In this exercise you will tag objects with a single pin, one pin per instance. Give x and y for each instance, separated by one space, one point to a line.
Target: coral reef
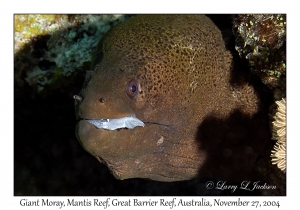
28 26
279 134
261 39
49 48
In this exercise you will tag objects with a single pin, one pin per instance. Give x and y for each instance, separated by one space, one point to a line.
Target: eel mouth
113 124
129 122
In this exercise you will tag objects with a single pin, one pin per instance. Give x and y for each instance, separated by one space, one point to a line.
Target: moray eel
155 82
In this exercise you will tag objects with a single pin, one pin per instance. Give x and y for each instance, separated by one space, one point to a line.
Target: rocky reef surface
51 48
261 40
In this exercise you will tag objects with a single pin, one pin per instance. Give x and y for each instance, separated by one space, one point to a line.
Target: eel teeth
113 124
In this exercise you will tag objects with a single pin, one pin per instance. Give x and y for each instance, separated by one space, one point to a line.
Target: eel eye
133 88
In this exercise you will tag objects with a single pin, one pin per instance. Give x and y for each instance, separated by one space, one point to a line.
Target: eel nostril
102 100
77 98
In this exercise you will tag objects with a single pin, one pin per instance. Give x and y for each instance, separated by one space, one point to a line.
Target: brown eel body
172 72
